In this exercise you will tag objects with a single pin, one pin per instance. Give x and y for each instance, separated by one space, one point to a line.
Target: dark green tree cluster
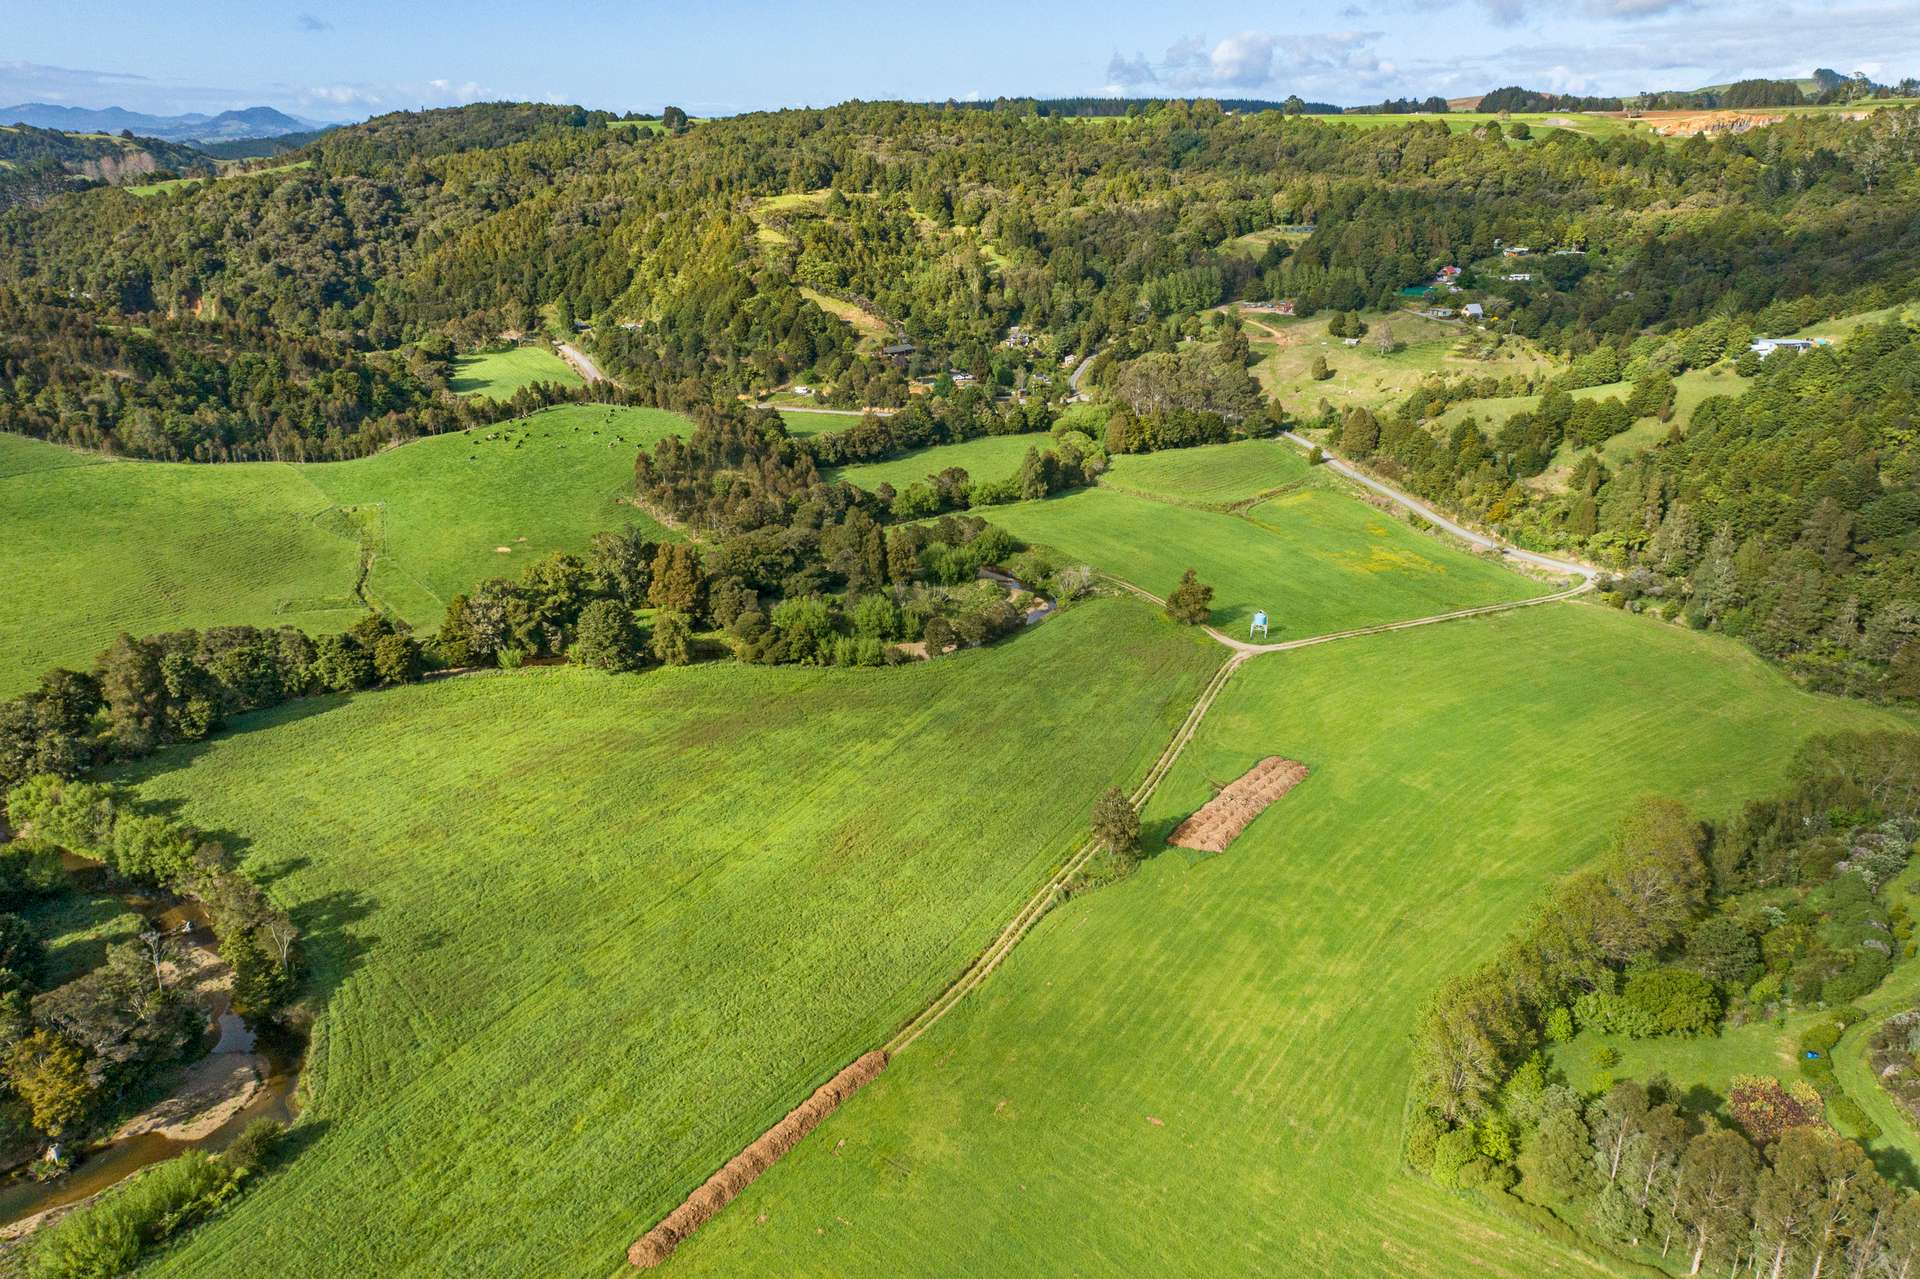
952 226
1682 919
68 1052
216 390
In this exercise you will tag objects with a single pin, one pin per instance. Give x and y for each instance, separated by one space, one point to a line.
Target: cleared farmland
497 375
1203 1069
1219 475
991 457
92 547
1315 559
581 937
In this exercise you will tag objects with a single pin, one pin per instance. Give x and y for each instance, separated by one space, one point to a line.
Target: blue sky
351 58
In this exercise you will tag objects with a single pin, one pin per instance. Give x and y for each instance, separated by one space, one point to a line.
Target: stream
1042 606
102 1164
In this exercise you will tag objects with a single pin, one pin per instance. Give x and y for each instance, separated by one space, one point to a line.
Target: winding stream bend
142 1140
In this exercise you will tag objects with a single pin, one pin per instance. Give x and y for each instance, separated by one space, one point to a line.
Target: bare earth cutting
1221 820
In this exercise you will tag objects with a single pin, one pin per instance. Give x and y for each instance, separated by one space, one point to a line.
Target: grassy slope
1315 559
498 374
1222 474
818 423
1361 377
991 457
585 936
1257 1004
90 547
1539 122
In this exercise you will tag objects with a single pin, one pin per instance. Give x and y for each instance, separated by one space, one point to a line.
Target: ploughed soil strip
739 1172
1220 822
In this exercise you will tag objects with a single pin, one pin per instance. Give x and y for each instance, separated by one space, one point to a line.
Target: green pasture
1537 122
91 547
144 189
498 374
990 457
1218 475
1202 1070
1284 349
578 938
818 423
1315 559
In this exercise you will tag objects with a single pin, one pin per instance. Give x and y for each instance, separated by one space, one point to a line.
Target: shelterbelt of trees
952 225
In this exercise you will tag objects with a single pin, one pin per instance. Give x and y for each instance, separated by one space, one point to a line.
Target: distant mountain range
253 122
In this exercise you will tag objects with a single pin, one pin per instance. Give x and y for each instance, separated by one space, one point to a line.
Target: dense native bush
951 228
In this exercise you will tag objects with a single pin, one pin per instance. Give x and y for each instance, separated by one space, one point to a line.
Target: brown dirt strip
741 1171
1219 822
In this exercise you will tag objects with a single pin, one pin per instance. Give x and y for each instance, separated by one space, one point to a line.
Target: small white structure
1259 626
1519 277
1473 311
1763 347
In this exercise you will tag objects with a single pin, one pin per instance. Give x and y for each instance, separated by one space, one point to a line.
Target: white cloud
1244 61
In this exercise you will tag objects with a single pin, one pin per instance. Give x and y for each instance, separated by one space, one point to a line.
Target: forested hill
950 226
38 164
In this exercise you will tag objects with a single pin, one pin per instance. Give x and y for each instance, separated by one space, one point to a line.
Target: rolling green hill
1315 559
580 937
1204 1068
92 547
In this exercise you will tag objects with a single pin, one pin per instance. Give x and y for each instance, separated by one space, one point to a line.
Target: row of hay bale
739 1172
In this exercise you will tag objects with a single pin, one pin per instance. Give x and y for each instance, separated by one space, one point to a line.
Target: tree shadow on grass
182 754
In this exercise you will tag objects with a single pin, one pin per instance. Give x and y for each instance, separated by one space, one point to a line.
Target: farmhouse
1473 311
1447 273
1763 347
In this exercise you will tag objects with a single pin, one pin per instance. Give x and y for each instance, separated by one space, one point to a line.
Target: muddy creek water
276 1059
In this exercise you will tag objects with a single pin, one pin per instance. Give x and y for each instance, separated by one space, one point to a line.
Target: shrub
1423 1134
1559 1027
1766 1108
1672 1001
672 639
1852 1118
1606 1056
254 1146
606 637
1191 601
396 659
105 1238
1451 1153
876 617
1822 1038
